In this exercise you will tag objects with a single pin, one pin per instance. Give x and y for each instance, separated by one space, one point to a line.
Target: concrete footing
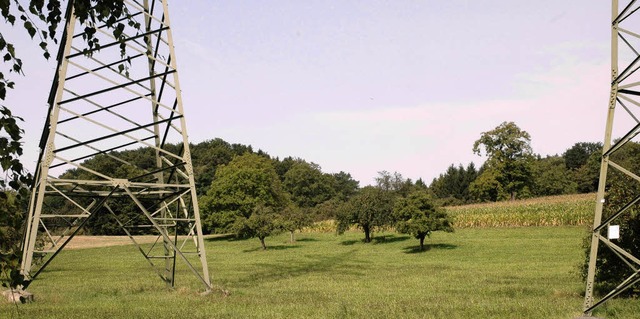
14 296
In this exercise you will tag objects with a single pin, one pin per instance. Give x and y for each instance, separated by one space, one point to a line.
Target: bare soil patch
81 242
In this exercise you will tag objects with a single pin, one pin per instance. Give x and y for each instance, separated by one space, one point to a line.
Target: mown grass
472 273
564 210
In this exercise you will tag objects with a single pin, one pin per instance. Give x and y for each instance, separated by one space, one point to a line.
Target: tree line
513 171
252 194
240 189
255 196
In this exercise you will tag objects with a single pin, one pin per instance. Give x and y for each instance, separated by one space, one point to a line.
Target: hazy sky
365 86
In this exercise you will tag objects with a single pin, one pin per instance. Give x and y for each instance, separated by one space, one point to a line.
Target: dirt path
81 242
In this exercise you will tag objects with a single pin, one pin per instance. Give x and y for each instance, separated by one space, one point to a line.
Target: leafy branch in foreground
10 238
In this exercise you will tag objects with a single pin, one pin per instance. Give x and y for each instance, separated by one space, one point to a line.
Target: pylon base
15 296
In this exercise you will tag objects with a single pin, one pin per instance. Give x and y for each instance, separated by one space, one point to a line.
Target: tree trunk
264 246
422 243
367 234
513 196
293 237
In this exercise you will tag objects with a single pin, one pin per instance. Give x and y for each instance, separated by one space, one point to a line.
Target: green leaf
11 49
118 31
30 29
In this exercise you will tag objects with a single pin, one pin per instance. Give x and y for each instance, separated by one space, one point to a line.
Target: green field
528 272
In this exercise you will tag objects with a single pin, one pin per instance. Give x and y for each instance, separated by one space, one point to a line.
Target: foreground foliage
473 273
10 239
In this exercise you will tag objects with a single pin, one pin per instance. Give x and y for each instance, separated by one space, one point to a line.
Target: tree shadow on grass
271 247
427 247
330 264
385 239
388 239
306 239
220 237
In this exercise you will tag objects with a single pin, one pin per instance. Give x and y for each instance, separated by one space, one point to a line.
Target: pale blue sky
365 86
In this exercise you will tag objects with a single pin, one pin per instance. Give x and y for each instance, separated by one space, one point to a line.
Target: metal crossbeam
102 104
625 98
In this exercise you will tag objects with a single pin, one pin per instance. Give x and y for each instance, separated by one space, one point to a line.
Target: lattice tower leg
103 105
618 177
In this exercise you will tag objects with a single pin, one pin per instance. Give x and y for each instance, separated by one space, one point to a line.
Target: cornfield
331 226
325 226
560 210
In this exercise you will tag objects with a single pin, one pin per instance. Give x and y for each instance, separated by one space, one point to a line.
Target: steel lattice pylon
101 105
624 105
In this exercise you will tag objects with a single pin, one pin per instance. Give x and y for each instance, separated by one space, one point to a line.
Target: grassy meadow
475 272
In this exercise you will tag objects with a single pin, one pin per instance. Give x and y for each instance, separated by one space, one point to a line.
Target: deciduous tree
295 218
395 183
551 177
263 222
509 156
587 176
208 155
486 187
578 154
247 182
417 215
344 185
372 207
307 184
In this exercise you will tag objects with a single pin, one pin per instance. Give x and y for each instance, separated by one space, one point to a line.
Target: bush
10 238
